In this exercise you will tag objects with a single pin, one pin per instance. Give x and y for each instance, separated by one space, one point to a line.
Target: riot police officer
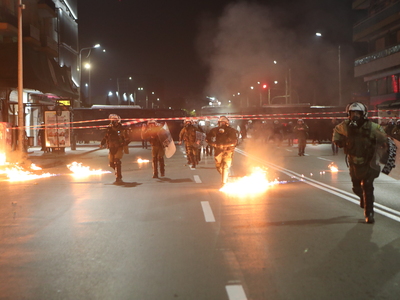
150 133
188 135
360 138
117 140
301 130
224 140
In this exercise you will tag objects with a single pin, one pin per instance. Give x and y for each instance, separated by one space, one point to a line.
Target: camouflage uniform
150 133
117 140
224 140
301 131
361 143
188 135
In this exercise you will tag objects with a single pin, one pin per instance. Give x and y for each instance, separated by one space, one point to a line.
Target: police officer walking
150 132
188 135
224 140
117 140
361 139
301 130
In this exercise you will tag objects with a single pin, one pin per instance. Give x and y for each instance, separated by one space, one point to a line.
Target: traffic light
265 86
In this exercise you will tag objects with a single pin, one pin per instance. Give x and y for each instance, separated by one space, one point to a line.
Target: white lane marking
379 208
208 214
235 292
197 178
324 159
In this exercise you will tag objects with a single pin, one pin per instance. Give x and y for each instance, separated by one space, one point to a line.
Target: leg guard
118 171
162 166
225 174
155 167
368 200
359 192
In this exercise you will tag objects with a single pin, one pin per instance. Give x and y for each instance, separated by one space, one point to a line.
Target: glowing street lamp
80 67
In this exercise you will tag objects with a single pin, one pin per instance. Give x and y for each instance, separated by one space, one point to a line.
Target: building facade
377 37
50 52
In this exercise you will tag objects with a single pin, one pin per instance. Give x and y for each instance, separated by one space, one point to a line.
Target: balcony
46 9
377 62
49 46
381 20
31 35
8 22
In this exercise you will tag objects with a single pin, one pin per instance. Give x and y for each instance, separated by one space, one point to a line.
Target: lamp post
21 112
80 66
318 34
88 66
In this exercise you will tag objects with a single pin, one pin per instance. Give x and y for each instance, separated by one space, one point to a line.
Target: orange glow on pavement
254 184
142 160
333 167
82 171
15 172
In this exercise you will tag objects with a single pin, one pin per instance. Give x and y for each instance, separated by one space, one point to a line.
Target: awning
40 72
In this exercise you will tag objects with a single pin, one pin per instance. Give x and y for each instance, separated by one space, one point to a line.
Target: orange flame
142 160
83 171
18 173
333 167
255 183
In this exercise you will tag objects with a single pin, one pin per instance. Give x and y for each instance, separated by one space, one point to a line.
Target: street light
339 70
80 67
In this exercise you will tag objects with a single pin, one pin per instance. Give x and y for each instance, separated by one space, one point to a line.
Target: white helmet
223 119
357 106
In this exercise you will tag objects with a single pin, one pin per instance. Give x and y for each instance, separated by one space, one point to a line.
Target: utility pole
340 78
21 112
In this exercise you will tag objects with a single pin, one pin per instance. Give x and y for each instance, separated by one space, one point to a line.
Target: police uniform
301 131
188 135
224 140
361 139
117 140
157 150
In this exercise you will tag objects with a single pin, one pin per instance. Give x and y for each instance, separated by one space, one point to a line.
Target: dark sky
211 47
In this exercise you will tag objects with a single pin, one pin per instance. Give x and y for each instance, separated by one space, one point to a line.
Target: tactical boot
155 169
118 174
369 218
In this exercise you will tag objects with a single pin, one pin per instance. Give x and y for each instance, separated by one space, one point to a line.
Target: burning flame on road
83 171
142 160
255 183
333 167
15 172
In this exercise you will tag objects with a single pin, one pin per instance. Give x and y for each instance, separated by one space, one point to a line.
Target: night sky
215 47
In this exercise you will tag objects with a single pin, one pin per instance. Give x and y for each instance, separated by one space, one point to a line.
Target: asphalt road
179 237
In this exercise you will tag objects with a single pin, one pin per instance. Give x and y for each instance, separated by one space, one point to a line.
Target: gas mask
355 121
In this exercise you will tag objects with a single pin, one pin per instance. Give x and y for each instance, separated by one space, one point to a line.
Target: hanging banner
57 129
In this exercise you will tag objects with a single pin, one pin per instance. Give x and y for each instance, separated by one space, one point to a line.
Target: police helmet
114 118
357 106
276 122
223 119
300 121
398 122
151 122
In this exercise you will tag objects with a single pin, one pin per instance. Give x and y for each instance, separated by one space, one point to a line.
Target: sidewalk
52 159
